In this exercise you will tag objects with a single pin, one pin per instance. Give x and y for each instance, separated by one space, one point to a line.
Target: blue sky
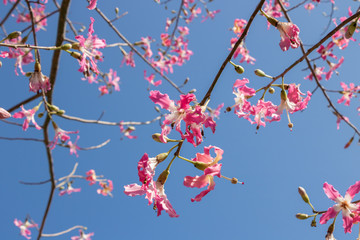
272 161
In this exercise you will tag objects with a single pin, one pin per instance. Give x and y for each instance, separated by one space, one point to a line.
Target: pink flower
62 135
24 227
209 14
113 79
333 67
338 120
151 78
4 114
74 147
272 10
243 51
92 4
327 51
154 191
211 168
289 34
39 81
28 115
263 110
23 55
103 90
194 117
348 93
69 190
239 25
89 47
38 13
318 72
127 131
91 177
342 204
128 59
146 42
83 236
295 96
242 93
309 6
106 188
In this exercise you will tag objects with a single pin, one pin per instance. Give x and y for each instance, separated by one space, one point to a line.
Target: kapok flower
74 147
24 227
242 51
309 6
92 4
263 110
151 78
333 67
347 93
4 114
211 168
272 10
154 191
338 120
106 188
242 93
239 25
319 71
289 34
29 116
83 236
194 117
60 134
342 204
38 14
327 51
127 131
23 56
38 81
89 47
91 177
69 190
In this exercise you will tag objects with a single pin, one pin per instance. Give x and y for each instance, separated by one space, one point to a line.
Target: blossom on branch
92 4
342 204
193 116
29 116
83 236
88 46
24 227
106 188
211 168
347 93
289 34
4 114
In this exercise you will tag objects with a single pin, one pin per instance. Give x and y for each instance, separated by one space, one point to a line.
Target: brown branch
228 58
175 26
23 102
9 13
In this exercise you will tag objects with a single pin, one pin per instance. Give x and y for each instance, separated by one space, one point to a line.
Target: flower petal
331 192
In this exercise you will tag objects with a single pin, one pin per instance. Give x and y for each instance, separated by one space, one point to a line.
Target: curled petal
353 190
331 192
330 213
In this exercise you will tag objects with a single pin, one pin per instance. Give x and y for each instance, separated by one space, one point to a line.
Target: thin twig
22 139
63 232
9 13
175 26
23 102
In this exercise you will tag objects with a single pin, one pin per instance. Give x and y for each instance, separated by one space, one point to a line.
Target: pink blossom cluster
153 190
348 93
266 111
238 29
194 117
24 227
38 14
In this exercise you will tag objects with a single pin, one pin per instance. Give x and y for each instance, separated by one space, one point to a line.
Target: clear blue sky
272 162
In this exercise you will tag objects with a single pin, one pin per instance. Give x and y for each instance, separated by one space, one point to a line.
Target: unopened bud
313 223
163 177
161 157
271 90
201 166
14 35
273 21
4 114
60 112
66 46
331 228
37 67
156 137
192 90
260 73
157 109
303 194
54 108
75 55
75 46
0 64
302 216
28 74
239 69
116 10
351 29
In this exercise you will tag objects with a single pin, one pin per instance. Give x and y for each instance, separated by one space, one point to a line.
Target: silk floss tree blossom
24 227
343 204
193 116
153 190
29 116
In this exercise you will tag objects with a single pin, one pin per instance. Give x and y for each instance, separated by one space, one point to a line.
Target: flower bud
161 157
239 69
75 55
13 35
272 21
313 223
304 195
259 73
75 46
302 216
163 177
0 64
60 112
4 114
351 29
201 166
37 67
331 228
28 74
271 90
116 10
66 46
156 137
192 90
